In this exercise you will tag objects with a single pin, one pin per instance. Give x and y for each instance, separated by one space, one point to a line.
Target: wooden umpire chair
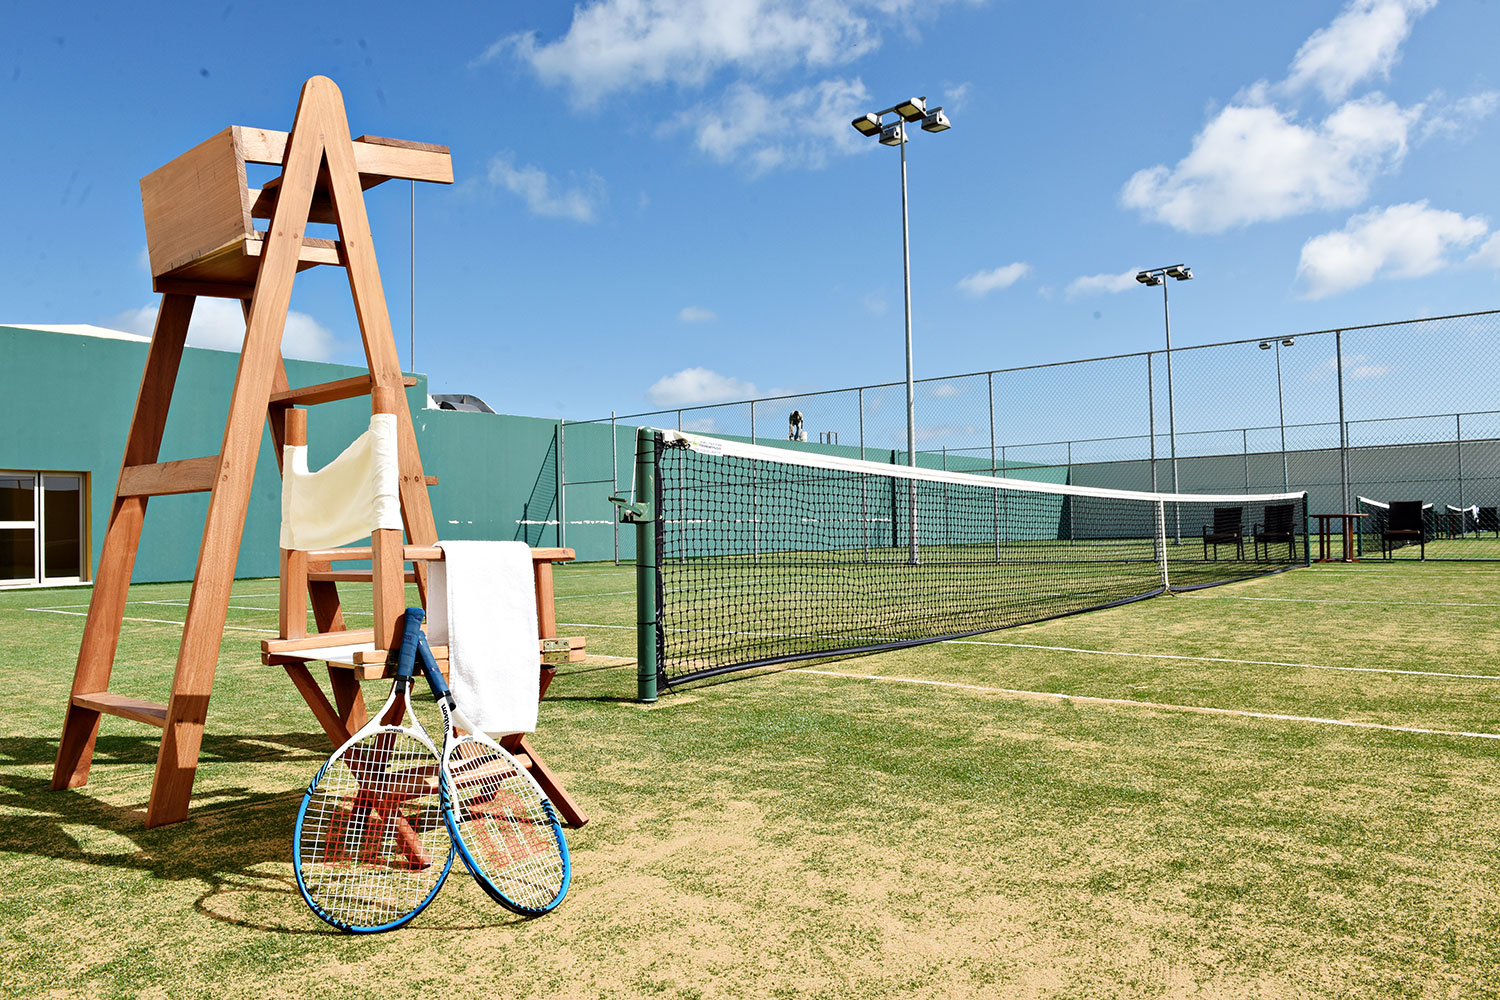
200 227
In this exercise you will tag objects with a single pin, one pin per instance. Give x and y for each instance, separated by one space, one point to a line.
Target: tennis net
767 554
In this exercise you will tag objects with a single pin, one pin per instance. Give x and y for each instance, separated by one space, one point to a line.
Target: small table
1325 536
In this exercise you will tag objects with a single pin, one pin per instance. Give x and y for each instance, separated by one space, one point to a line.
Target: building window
43 528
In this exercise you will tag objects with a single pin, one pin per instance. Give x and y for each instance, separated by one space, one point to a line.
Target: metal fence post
1151 417
1458 429
1338 349
562 485
994 500
614 476
1245 449
752 421
861 398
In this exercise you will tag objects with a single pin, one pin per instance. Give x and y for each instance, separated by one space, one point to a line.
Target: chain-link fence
1387 412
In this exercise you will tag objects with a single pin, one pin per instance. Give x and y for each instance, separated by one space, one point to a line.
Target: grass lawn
1278 788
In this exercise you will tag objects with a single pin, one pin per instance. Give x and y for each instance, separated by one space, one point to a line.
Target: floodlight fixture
912 109
893 135
1264 345
936 121
867 124
1288 342
1180 272
1144 277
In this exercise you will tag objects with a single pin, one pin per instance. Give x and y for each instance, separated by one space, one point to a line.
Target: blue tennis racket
371 847
503 825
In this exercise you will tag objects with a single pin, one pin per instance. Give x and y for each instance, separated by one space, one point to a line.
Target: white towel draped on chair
347 498
481 601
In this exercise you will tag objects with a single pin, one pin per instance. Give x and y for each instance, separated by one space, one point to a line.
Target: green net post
642 513
1306 531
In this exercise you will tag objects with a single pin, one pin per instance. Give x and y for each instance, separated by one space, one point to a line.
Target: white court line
153 621
1145 656
232 597
1133 703
1339 600
237 607
1223 659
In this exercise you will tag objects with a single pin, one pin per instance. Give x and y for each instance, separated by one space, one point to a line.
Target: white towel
481 604
347 498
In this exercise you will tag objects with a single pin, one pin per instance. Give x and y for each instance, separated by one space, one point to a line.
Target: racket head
503 825
371 846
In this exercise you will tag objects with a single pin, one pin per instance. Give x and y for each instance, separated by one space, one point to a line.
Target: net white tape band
816 460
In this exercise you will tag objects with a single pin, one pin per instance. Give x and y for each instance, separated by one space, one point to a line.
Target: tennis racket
370 848
504 826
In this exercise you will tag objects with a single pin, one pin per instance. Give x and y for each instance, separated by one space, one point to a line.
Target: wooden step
150 712
160 479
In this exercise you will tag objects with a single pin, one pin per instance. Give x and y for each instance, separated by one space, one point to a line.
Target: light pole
873 124
1159 276
1280 405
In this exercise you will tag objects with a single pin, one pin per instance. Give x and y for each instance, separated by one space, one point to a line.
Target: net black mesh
763 561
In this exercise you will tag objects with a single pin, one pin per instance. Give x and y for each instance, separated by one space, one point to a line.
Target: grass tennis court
1282 787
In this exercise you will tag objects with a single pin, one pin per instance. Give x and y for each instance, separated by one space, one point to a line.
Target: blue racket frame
404 659
444 696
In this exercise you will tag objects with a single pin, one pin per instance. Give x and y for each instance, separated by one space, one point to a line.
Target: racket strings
373 844
505 825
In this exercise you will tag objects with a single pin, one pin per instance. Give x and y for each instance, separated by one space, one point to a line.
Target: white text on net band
817 460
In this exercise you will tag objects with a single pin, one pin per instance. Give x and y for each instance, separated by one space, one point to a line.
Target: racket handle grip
430 668
411 638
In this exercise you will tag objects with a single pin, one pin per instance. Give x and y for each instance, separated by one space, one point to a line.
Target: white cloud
1098 284
981 283
1253 163
543 194
748 127
696 314
947 390
1357 367
1401 241
1488 255
695 386
1364 40
1460 119
621 45
219 325
956 97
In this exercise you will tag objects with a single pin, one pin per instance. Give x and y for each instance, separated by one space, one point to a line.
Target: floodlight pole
873 124
1158 276
911 392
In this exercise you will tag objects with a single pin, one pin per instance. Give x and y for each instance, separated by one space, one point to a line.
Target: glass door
61 528
17 529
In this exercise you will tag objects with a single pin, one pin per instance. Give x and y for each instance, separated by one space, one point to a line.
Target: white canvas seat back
349 497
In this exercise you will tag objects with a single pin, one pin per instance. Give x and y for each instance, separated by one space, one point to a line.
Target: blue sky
661 202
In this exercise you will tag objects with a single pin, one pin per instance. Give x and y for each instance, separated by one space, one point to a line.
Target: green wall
68 408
